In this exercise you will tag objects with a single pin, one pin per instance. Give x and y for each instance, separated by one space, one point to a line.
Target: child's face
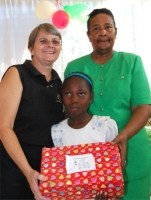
77 97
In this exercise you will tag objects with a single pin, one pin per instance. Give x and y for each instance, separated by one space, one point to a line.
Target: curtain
18 18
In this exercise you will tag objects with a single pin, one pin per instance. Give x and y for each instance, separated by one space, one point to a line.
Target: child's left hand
103 196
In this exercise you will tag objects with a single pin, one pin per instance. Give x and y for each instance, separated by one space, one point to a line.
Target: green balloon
76 11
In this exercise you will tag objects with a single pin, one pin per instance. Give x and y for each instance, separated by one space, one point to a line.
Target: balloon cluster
60 17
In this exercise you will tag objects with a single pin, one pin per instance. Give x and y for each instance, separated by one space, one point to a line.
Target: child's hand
103 196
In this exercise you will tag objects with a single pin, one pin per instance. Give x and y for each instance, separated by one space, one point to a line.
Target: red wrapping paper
60 185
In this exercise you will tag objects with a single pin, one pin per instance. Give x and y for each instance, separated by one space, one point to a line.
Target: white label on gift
80 163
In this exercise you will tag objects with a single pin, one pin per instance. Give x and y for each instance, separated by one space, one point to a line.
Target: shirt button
101 79
102 109
101 93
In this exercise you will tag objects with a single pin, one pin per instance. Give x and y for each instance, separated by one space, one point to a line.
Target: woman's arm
140 115
10 96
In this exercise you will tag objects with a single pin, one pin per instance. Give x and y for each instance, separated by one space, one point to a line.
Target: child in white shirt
80 127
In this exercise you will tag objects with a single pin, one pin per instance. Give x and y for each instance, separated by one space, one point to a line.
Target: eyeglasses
54 42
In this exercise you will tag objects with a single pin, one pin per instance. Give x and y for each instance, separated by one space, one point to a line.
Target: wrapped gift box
81 171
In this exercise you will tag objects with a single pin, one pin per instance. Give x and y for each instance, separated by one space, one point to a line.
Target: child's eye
81 94
67 93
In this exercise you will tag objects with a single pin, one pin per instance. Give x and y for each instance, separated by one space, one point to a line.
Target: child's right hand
103 196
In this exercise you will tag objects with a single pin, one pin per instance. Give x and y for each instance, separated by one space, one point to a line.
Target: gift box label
81 171
80 163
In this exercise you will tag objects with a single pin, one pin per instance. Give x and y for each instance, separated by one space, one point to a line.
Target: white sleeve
56 133
111 129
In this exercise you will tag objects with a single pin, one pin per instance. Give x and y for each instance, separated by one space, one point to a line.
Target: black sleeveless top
40 106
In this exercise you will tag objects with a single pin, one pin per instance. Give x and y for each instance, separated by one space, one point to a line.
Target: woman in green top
121 90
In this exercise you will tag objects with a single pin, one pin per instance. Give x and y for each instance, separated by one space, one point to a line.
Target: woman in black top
30 102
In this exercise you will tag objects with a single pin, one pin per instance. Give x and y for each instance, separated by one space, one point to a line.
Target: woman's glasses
54 42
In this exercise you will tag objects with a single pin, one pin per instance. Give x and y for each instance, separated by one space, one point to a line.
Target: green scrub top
117 85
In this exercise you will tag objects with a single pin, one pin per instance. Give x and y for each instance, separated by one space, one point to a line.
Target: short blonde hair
46 27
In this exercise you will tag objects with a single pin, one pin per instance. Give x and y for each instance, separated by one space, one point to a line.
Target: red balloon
60 19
